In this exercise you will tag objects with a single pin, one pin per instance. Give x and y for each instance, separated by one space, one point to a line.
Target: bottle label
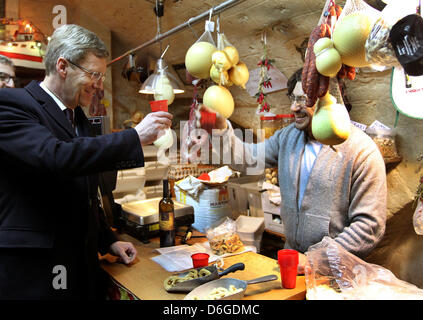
167 225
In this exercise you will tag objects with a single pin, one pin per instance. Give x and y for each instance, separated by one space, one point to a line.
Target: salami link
338 10
342 74
323 86
350 72
310 76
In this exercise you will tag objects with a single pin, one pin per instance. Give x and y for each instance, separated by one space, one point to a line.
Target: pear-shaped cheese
233 54
328 60
350 37
164 90
331 123
219 77
239 74
221 60
165 141
220 100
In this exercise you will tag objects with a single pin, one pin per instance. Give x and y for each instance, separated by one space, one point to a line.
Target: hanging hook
211 13
164 52
218 23
190 27
264 37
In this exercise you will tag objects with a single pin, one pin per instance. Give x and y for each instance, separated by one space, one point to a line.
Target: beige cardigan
345 197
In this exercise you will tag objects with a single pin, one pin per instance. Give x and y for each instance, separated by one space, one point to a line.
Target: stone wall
401 250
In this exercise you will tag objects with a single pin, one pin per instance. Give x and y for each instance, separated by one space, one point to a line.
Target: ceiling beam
213 11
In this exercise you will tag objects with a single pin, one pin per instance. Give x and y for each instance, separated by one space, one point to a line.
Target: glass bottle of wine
166 218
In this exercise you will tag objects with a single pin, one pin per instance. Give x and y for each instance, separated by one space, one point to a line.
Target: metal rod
213 11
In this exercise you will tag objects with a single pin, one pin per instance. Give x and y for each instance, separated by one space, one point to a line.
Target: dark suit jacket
48 196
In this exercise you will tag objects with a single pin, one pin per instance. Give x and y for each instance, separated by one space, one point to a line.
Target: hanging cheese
328 60
349 38
198 59
164 90
239 74
331 123
219 99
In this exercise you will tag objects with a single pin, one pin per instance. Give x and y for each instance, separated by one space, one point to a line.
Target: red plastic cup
207 120
159 105
200 260
288 264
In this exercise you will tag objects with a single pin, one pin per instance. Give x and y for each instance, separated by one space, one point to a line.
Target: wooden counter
144 277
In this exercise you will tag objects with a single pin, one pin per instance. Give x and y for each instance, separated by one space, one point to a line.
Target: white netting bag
352 6
207 35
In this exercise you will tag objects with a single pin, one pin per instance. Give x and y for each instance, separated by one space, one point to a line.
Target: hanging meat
193 133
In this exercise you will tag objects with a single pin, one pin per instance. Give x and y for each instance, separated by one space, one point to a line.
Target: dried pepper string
419 194
265 80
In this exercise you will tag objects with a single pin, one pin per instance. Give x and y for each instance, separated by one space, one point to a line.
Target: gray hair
73 43
7 61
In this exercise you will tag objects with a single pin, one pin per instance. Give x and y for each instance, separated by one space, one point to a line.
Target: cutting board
144 278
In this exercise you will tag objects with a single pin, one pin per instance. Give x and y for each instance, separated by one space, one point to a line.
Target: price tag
209 26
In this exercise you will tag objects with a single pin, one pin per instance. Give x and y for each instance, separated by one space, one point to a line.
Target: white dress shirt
59 103
311 150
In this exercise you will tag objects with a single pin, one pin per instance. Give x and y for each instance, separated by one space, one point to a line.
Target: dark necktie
69 115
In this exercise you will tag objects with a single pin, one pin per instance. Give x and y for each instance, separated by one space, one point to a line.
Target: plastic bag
385 141
406 38
222 41
223 237
333 273
418 218
223 60
407 93
379 50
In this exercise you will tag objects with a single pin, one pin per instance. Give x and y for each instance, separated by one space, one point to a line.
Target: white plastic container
268 206
250 230
238 200
129 181
273 222
155 171
252 190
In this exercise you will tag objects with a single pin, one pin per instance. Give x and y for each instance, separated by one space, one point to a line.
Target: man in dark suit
51 223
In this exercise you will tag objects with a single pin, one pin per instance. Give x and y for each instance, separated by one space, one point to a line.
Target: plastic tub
269 125
284 120
249 228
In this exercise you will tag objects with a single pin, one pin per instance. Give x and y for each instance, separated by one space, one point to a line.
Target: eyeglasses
298 99
96 76
6 77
